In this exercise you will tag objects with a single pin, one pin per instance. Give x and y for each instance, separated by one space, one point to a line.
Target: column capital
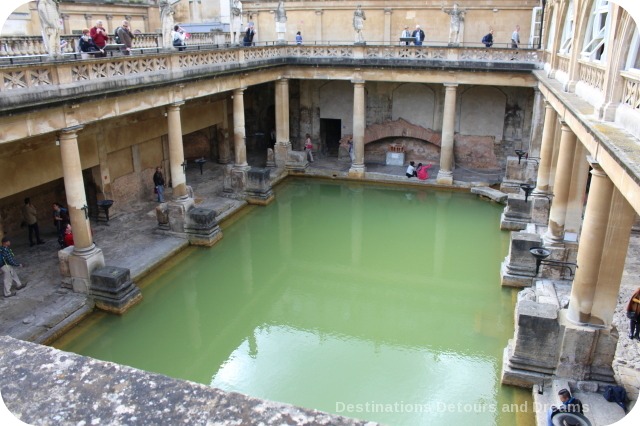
595 165
547 104
450 86
239 91
283 80
88 16
70 132
175 106
388 11
108 17
145 17
565 126
358 82
65 16
127 17
319 11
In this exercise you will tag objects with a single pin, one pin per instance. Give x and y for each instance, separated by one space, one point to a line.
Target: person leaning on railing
99 36
87 45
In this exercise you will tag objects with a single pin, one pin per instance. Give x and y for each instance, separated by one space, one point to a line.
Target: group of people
93 41
417 37
421 172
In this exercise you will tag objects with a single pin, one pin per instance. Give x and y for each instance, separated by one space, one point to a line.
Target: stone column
283 143
85 257
145 23
445 174
239 135
616 243
387 25
536 123
546 149
318 24
88 20
577 191
224 151
558 213
110 28
590 249
359 110
176 152
65 23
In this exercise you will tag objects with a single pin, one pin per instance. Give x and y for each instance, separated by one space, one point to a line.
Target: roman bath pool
380 303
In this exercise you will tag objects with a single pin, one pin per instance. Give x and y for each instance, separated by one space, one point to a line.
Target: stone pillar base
113 290
296 161
444 177
201 227
357 171
176 211
81 264
271 159
517 213
63 265
259 189
519 267
541 205
235 181
281 153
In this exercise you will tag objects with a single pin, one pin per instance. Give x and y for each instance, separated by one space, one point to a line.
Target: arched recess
482 112
415 103
336 102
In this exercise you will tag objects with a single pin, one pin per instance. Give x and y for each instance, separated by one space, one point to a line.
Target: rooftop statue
358 23
51 24
281 13
457 16
236 21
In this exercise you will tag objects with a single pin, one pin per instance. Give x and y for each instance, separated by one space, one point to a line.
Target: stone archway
414 103
420 144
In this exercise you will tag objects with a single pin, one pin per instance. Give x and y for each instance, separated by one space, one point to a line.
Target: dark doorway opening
330 134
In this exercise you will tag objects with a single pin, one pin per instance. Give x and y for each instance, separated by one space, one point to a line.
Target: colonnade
606 225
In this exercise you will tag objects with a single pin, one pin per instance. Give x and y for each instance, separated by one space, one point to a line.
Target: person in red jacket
68 236
100 37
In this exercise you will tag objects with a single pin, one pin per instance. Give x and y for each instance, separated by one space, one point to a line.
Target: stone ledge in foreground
45 386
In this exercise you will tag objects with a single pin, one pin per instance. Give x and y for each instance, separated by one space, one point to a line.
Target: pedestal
81 265
516 214
444 177
296 162
519 267
282 153
357 171
113 290
259 189
201 227
235 181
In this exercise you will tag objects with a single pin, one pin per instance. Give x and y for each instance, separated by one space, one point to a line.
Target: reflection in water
331 296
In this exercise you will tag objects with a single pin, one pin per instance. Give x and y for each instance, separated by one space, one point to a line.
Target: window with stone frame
595 46
633 59
552 31
567 30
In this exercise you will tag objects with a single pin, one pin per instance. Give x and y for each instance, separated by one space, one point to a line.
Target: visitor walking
30 217
308 146
515 37
126 37
100 37
418 35
411 170
569 405
158 182
487 40
298 38
633 313
8 262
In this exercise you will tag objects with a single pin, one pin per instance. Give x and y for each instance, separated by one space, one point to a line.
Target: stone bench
492 194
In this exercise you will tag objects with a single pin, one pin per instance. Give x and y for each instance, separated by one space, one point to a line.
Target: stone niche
475 152
414 150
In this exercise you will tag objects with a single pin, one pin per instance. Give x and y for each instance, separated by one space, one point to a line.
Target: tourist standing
418 35
158 182
30 217
308 146
248 35
100 37
633 313
87 45
178 37
126 37
298 38
515 37
405 34
60 221
569 405
487 40
8 262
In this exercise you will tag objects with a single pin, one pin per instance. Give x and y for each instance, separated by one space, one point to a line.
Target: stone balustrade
591 74
631 90
563 63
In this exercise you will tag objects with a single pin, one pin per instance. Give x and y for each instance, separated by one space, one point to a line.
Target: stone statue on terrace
166 19
358 24
236 22
281 21
51 24
457 17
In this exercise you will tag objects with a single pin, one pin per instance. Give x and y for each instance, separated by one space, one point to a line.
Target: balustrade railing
631 89
69 70
563 63
591 74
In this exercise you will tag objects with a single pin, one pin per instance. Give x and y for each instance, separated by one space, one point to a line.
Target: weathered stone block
63 265
575 350
202 227
297 161
113 290
540 209
536 337
525 171
394 159
259 189
519 266
490 193
517 213
81 266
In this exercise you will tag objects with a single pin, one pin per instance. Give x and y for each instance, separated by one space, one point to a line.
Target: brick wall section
400 129
476 152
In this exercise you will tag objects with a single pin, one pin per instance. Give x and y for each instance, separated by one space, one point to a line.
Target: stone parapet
517 213
42 385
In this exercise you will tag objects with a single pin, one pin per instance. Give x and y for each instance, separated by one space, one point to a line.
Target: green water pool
368 301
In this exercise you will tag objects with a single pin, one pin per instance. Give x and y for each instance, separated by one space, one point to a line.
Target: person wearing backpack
100 38
487 40
177 37
126 37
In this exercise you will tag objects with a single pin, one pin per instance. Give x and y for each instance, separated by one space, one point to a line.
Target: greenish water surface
367 301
